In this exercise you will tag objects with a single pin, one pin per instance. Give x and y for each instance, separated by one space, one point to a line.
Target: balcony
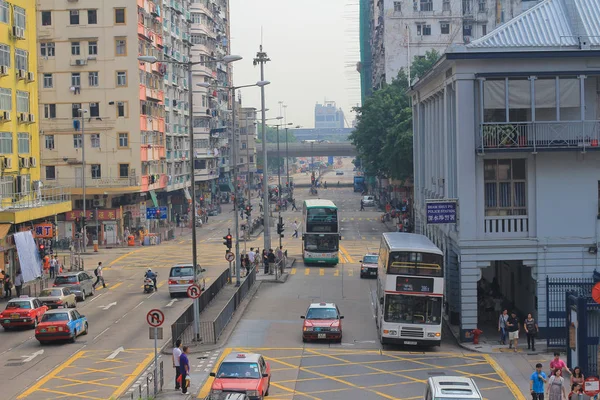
516 226
539 136
17 208
152 152
103 184
67 125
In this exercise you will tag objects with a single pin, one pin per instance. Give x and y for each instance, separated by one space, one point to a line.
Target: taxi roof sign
241 355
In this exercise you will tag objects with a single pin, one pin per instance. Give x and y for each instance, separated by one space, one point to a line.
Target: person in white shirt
251 255
295 228
176 365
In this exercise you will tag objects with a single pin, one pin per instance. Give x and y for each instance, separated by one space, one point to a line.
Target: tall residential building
246 122
24 203
405 29
88 61
327 115
212 107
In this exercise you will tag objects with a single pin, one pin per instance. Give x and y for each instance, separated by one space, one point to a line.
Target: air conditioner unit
21 73
18 32
33 161
3 70
31 118
7 162
6 115
23 117
24 162
30 76
81 61
98 203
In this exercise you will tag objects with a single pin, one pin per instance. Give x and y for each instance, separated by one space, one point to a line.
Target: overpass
309 149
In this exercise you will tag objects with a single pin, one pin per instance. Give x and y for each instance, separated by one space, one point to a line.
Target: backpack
96 271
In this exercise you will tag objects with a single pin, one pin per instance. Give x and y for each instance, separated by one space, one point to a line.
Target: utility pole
236 199
82 113
261 59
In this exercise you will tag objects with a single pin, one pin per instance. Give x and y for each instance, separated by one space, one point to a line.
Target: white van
181 277
451 388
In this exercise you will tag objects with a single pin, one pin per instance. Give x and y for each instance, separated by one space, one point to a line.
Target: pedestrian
265 258
247 264
260 207
557 363
7 287
556 389
502 326
576 392
184 366
531 328
294 205
577 376
19 282
251 256
176 354
99 277
513 327
362 205
178 221
295 228
280 255
271 260
536 383
59 266
53 267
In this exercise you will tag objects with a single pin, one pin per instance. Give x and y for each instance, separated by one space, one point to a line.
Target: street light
82 112
189 64
232 89
287 160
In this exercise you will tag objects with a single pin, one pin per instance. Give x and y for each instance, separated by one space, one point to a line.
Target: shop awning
4 228
154 198
186 192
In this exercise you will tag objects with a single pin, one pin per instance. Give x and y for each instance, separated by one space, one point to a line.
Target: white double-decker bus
410 290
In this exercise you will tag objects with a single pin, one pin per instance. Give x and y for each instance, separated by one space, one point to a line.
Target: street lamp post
189 65
82 112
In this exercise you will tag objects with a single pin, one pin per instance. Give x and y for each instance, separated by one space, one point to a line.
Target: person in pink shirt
557 363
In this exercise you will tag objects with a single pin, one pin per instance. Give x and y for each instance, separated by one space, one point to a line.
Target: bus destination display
414 285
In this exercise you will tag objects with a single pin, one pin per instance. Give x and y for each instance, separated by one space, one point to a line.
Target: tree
383 134
271 134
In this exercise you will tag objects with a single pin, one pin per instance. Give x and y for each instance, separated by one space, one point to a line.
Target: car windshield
178 272
26 305
238 370
322 313
50 292
55 317
61 280
370 259
413 309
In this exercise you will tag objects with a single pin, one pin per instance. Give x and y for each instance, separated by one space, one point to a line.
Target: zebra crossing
328 271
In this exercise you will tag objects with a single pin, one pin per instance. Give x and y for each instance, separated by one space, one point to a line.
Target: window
426 5
121 78
96 171
423 29
5 99
119 15
23 142
22 101
48 81
121 47
494 100
121 109
94 109
445 28
51 172
19 17
505 187
21 59
47 49
95 140
75 49
93 48
77 140
397 6
49 110
412 309
123 170
123 140
483 30
6 143
467 30
74 17
446 5
92 17
75 107
5 55
4 13
49 142
46 18
482 7
93 78
76 79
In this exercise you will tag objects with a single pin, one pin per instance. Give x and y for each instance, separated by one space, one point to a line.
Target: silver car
368 201
57 297
80 283
181 277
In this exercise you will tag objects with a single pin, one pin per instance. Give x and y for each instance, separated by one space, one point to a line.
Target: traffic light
228 241
280 227
201 201
248 211
42 250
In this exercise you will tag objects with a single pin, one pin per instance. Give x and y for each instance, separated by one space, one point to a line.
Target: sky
313 46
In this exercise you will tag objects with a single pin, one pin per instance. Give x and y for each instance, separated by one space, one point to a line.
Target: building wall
327 115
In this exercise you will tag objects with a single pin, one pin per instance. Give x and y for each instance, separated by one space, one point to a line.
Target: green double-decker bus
321 232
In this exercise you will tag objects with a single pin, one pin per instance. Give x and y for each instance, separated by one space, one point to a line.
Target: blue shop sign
441 212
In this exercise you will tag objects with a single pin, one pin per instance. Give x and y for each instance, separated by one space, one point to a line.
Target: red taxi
242 373
23 311
322 321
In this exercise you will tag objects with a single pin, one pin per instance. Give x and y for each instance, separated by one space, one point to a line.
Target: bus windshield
324 243
415 263
413 309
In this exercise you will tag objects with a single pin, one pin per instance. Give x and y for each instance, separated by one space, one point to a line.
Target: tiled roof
549 24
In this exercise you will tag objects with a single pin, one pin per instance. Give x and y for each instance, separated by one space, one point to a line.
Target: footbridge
312 149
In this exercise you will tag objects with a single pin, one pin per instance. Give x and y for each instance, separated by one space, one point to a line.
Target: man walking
19 282
251 257
99 277
362 205
502 326
295 228
294 205
184 366
513 330
53 267
271 260
536 383
176 354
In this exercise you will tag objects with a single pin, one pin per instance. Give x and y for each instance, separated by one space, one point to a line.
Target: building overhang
44 210
105 190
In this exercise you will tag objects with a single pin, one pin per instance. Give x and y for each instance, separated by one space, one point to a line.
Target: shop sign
133 209
103 215
43 231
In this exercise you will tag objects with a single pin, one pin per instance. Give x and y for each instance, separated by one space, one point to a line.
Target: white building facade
510 126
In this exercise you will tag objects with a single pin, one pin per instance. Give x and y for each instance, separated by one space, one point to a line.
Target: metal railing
95 183
34 198
507 225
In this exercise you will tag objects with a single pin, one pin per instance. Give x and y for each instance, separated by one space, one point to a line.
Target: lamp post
226 59
82 112
287 159
234 165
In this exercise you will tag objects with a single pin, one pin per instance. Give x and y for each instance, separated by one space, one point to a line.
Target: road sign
194 291
596 293
230 256
152 211
591 386
155 317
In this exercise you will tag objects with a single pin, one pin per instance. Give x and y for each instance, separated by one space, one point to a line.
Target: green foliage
383 134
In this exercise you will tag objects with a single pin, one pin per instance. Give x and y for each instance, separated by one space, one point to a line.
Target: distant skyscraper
327 115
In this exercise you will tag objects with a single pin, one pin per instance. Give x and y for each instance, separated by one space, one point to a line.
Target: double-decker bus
321 232
410 290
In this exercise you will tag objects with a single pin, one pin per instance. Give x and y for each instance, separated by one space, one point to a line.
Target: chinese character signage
441 212
103 215
43 231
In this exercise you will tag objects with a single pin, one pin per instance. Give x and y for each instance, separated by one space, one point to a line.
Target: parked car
80 283
181 277
247 373
369 201
58 297
61 325
22 311
322 321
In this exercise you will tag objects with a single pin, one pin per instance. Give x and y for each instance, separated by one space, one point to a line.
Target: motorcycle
149 285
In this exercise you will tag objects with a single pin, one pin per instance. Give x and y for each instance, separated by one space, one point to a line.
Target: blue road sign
151 212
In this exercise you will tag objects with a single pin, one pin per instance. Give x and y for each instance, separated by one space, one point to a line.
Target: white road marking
115 353
32 355
170 304
108 306
100 334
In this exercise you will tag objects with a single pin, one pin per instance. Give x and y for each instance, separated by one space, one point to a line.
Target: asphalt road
359 367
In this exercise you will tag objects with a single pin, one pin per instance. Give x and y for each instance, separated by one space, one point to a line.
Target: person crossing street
295 228
99 277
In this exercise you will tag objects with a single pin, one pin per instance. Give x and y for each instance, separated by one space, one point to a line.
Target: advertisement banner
29 258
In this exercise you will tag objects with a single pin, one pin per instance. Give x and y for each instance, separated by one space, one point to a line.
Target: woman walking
577 376
556 388
531 328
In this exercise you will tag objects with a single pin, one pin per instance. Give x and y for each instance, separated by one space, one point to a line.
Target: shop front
101 225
